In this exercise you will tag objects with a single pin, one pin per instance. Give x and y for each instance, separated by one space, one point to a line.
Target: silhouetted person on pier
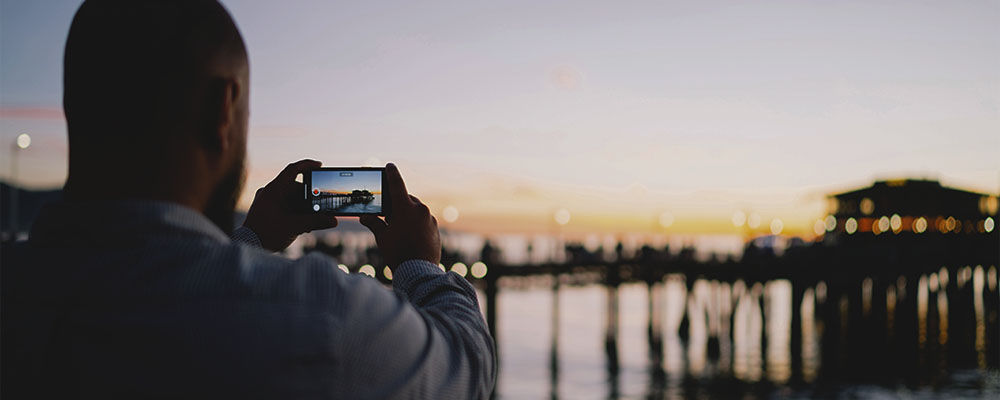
131 287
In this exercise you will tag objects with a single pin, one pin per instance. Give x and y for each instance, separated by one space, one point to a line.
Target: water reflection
977 284
810 336
697 334
680 338
922 314
778 310
747 334
554 350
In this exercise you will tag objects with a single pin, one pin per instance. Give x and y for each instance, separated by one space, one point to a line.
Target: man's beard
222 205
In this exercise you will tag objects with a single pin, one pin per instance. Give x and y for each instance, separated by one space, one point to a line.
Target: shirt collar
110 220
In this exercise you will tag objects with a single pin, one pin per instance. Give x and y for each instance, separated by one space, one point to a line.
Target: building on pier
909 206
362 196
912 222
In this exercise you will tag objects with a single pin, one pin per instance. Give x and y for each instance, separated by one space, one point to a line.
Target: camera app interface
348 192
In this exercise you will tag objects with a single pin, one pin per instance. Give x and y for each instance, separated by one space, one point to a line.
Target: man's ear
224 98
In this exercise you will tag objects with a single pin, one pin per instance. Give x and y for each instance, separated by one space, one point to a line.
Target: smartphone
347 191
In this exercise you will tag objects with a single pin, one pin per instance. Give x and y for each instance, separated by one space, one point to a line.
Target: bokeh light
988 204
867 206
883 224
739 218
450 214
819 227
460 268
950 224
831 223
23 141
942 225
666 219
777 226
562 216
478 270
367 269
851 226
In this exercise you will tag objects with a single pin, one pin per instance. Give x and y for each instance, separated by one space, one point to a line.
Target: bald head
139 68
155 94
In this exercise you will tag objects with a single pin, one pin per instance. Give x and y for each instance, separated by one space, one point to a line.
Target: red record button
315 192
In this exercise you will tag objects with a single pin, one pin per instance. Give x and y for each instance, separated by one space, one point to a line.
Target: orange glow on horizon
345 192
623 224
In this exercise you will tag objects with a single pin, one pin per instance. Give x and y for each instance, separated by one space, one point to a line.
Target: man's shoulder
189 268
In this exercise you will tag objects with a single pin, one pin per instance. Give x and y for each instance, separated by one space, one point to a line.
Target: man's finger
374 224
288 174
397 189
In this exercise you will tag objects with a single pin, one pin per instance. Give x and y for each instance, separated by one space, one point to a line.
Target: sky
335 181
621 115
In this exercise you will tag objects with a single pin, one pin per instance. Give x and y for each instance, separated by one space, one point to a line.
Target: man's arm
245 236
426 339
446 339
448 302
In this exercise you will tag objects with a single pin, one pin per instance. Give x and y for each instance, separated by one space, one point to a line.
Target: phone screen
347 191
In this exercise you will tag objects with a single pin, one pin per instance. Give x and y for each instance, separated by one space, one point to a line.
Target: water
749 355
374 206
333 203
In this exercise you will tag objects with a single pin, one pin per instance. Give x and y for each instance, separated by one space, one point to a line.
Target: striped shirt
151 300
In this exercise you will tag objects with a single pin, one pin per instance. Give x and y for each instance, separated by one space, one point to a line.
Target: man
131 287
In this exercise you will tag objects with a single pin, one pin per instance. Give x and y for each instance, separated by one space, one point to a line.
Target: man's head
156 101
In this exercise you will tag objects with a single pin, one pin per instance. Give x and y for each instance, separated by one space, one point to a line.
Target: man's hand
273 216
410 231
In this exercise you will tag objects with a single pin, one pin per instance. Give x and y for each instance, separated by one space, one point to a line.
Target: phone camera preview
345 191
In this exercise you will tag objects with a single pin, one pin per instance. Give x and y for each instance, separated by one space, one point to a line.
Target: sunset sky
337 182
625 114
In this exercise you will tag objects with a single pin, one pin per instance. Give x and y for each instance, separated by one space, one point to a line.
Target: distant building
911 207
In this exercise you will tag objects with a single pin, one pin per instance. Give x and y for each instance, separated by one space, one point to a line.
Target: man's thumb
374 224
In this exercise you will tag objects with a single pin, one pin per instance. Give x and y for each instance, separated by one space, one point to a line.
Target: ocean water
536 325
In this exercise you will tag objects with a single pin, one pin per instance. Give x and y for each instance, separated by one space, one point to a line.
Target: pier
331 201
905 308
906 320
893 292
